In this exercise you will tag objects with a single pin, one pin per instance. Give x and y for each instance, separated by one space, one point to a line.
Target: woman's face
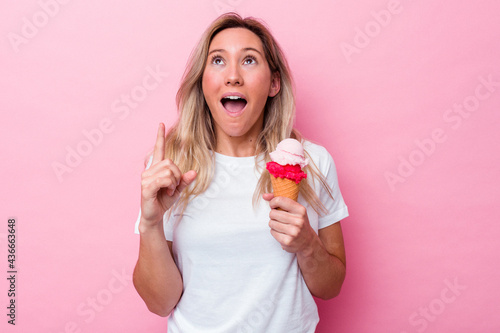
236 83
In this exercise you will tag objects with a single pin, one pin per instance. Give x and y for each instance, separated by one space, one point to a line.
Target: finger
164 178
279 216
166 165
163 171
170 167
172 182
283 239
283 203
159 150
296 209
278 226
186 179
288 220
288 205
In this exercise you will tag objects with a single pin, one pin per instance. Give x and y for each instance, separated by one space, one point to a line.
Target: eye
217 60
249 60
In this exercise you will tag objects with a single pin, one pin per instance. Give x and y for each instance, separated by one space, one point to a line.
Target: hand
290 225
161 184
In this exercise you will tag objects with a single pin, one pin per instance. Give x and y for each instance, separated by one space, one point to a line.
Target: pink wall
404 94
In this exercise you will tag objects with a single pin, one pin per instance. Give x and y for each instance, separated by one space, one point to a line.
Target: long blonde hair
191 140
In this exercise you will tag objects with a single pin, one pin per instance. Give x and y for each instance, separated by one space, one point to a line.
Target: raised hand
161 184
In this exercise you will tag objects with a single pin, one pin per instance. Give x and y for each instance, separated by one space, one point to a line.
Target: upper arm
333 241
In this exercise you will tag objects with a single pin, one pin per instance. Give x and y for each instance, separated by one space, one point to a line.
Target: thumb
268 196
186 179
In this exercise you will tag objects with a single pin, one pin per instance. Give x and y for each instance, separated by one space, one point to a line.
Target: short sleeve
336 207
169 221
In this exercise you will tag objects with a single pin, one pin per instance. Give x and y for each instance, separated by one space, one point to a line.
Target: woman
218 251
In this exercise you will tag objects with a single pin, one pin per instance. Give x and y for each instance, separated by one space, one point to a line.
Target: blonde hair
190 141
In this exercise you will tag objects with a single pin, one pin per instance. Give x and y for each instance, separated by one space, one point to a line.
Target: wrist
146 227
310 246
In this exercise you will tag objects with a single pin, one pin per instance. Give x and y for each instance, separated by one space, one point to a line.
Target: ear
275 84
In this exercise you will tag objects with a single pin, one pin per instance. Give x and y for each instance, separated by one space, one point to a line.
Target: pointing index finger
159 150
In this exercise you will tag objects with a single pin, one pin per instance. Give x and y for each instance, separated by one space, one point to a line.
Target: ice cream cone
283 187
285 168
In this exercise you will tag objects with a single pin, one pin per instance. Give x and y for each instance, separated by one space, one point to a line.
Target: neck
236 146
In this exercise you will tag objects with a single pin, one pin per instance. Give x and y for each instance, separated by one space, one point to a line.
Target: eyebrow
244 49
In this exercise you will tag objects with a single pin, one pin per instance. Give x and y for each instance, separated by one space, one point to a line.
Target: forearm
156 276
323 272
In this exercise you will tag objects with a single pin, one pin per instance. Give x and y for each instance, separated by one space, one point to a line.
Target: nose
233 76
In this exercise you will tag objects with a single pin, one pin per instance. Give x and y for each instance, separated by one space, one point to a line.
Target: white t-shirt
236 276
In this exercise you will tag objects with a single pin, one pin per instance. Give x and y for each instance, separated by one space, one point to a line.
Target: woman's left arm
323 264
321 257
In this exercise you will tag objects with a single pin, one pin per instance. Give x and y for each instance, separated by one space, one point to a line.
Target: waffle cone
283 187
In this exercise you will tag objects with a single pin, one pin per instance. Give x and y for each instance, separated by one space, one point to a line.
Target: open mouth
234 104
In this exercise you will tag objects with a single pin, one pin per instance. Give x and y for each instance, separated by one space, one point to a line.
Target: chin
234 131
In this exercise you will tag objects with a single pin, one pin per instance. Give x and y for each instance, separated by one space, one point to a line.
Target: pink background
379 83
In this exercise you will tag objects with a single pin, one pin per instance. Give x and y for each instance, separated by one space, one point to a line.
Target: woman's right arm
156 276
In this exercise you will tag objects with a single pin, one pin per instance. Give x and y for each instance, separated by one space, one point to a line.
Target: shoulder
319 155
314 148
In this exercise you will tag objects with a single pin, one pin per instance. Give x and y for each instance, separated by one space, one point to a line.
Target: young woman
218 252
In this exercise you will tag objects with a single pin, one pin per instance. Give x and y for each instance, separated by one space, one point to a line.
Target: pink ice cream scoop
287 161
289 151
